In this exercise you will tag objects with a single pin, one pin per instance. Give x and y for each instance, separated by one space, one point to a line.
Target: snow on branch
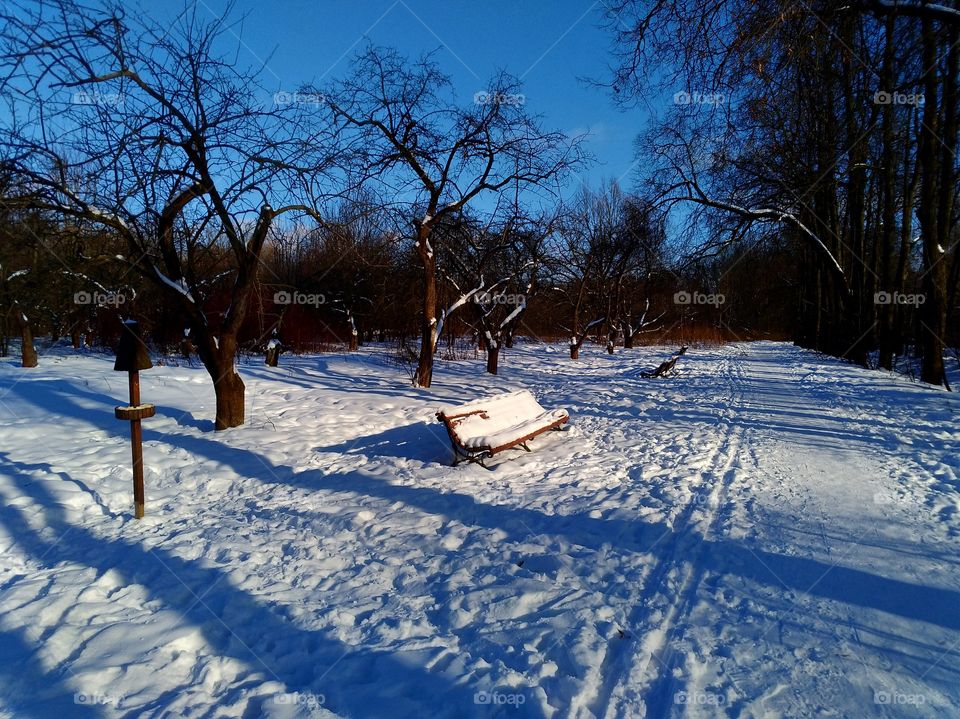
180 287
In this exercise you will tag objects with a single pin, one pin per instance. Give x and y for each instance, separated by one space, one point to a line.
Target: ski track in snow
768 533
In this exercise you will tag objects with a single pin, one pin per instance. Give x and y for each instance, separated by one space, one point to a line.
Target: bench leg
472 459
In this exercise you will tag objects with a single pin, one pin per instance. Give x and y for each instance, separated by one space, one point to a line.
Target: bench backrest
486 416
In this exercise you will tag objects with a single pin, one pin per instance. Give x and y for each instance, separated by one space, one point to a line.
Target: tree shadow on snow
355 680
345 673
418 441
29 690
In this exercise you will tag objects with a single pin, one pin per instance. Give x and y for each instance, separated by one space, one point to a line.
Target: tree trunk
493 357
76 338
933 311
354 344
28 353
888 196
428 324
574 351
231 393
218 356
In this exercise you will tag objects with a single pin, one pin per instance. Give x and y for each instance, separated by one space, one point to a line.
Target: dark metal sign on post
132 356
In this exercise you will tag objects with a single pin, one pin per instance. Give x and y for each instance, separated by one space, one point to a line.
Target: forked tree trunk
493 358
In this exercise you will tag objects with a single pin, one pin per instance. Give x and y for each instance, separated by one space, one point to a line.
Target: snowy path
770 533
801 501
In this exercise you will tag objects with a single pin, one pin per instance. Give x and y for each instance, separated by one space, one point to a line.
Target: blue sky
549 45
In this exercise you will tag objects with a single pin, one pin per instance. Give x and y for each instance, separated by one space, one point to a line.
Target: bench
665 367
482 428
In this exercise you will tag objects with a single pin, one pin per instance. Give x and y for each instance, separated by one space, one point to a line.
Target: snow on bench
481 428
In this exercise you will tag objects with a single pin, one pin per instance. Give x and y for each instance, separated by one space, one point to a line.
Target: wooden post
136 442
132 356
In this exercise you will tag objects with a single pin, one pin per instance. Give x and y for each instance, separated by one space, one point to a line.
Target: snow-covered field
769 533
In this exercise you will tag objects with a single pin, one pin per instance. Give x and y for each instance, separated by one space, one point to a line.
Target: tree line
831 124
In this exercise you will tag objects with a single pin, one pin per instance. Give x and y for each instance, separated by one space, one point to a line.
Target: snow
769 532
521 306
106 216
180 286
501 420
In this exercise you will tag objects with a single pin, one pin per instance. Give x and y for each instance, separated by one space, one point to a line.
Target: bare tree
153 133
400 126
591 262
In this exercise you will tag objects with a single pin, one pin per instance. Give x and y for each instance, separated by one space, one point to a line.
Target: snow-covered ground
768 533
